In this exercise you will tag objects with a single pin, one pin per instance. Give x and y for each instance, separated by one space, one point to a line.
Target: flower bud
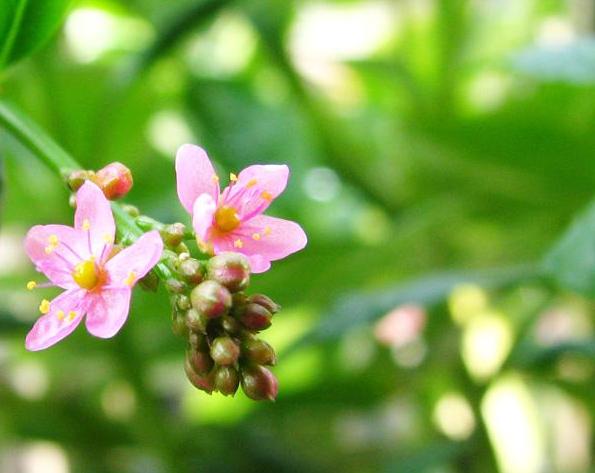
211 299
172 235
174 285
202 382
178 324
224 351
226 380
183 302
200 362
147 223
259 383
255 317
198 341
258 352
77 178
150 282
191 270
131 210
232 270
181 248
196 321
230 325
266 302
115 180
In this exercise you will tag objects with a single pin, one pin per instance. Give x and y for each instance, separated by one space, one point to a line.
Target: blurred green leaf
26 24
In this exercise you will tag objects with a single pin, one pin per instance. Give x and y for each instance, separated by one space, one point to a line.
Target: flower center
85 274
226 218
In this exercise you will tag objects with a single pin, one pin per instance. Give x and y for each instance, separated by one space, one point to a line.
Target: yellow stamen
86 224
108 238
53 240
31 285
44 307
72 315
251 183
215 178
85 274
238 243
226 218
129 281
256 236
267 230
266 196
48 249
233 177
60 315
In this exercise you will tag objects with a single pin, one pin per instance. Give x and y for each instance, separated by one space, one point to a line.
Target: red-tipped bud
255 317
266 302
115 180
232 270
77 178
172 235
258 352
200 362
196 321
224 351
227 380
211 299
203 382
191 270
259 383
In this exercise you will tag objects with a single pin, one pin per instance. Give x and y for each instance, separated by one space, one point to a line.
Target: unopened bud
255 317
198 341
259 383
175 286
211 299
229 269
131 210
230 325
182 248
191 270
258 352
150 282
226 380
178 324
115 180
203 382
200 362
196 321
77 178
183 302
147 223
172 235
266 302
224 351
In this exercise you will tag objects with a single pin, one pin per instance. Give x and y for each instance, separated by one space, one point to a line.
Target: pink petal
264 239
195 175
108 312
55 325
58 261
202 215
135 261
93 212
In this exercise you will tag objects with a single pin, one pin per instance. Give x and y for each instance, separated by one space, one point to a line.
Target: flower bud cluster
221 322
115 180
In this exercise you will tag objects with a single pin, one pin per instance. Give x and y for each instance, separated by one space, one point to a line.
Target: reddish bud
172 235
225 351
191 270
200 362
258 352
202 382
259 383
211 299
115 180
255 317
232 270
226 380
196 321
266 302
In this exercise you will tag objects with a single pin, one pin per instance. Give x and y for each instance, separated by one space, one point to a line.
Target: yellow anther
215 178
48 249
108 238
238 243
226 218
60 315
85 274
266 195
251 183
256 236
129 281
267 230
44 307
233 177
86 224
53 240
31 285
72 315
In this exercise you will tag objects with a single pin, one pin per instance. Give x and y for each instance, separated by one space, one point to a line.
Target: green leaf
571 262
26 24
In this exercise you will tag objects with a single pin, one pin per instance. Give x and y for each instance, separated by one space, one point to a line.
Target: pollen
267 230
129 281
108 238
31 285
60 315
238 243
53 240
72 315
85 274
226 218
251 183
233 177
256 236
266 195
86 224
215 178
44 307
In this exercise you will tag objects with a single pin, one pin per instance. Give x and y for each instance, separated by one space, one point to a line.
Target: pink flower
232 220
80 261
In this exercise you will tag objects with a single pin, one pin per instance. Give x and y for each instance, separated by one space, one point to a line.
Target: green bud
255 317
224 351
196 321
178 324
147 223
259 383
258 352
181 248
202 382
150 282
131 210
175 285
183 302
232 270
200 362
173 234
266 302
230 325
77 178
211 299
227 380
191 270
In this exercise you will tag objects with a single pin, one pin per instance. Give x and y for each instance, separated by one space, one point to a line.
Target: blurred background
438 148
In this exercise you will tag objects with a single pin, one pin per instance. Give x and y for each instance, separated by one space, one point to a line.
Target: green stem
12 32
